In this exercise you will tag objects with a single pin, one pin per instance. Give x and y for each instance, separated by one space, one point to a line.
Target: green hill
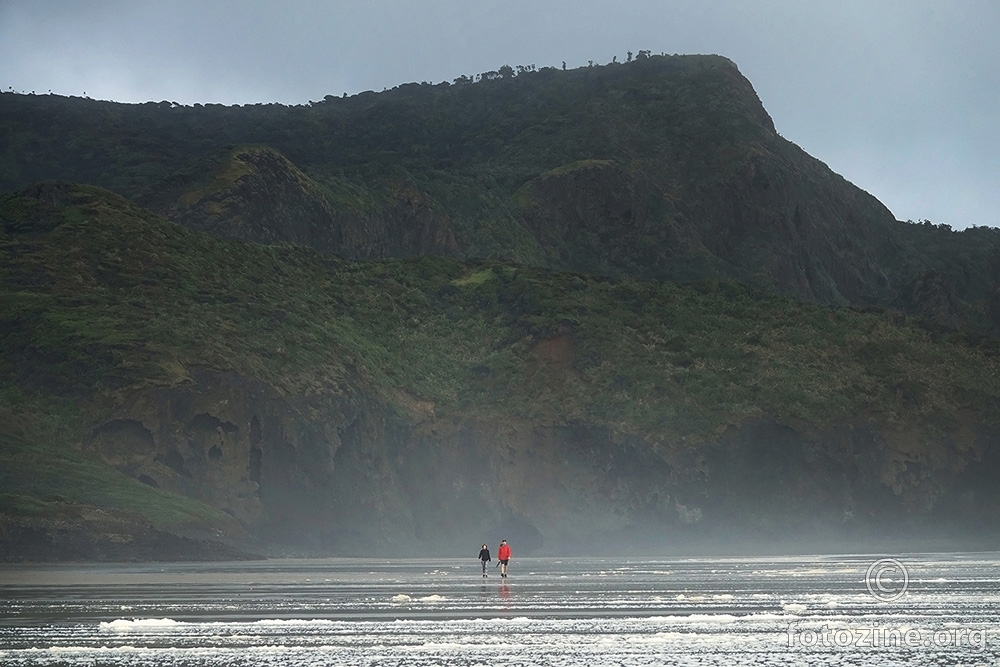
668 168
336 406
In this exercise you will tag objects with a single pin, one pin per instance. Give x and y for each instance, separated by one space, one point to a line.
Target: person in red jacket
503 556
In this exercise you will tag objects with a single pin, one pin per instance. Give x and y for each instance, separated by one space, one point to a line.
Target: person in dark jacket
484 555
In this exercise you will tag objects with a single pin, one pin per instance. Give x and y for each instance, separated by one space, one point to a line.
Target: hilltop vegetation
664 168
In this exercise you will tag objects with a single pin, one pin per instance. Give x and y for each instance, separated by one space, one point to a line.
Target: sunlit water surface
588 612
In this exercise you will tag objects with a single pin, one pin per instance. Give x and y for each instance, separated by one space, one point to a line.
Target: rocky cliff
166 390
302 476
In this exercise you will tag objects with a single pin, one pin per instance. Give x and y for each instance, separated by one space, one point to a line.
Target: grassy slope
98 296
114 297
44 478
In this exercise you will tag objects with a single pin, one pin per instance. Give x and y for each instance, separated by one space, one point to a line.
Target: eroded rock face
594 216
207 440
780 219
194 441
352 476
305 472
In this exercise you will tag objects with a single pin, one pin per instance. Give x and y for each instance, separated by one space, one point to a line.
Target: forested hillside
664 168
165 390
604 309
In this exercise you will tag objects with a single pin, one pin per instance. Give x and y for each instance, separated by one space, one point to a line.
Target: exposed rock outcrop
351 475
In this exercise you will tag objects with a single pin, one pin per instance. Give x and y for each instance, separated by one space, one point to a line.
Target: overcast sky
902 97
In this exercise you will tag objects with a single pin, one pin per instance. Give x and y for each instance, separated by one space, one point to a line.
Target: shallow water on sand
686 611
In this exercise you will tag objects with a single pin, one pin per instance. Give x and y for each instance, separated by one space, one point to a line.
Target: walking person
484 555
503 556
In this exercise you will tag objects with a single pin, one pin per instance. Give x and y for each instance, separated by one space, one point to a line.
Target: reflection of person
503 555
484 555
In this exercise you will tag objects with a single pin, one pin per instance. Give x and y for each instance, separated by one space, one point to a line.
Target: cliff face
776 218
810 232
300 471
83 533
356 477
